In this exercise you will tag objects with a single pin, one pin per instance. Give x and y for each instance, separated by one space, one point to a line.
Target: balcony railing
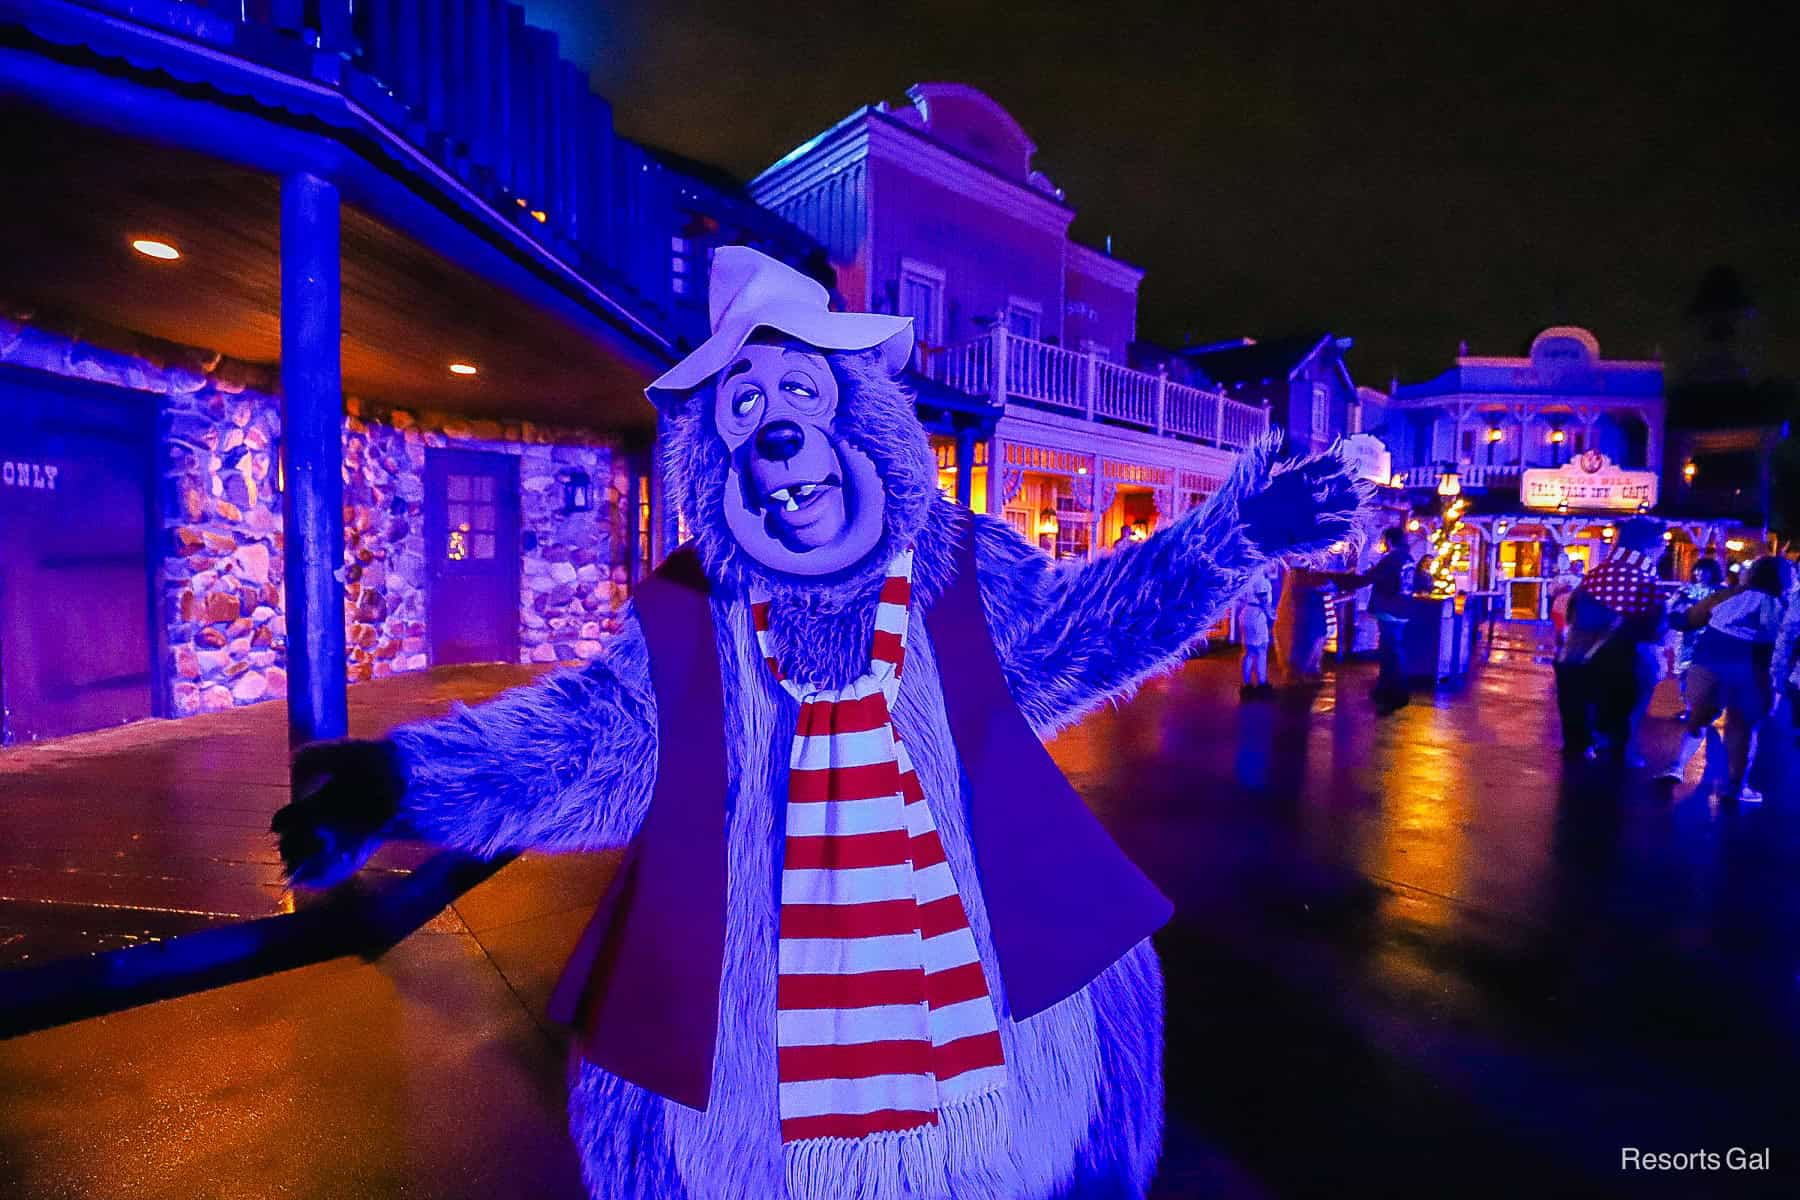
489 100
1468 474
1008 368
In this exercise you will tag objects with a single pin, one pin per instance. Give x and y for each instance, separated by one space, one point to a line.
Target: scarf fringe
916 1162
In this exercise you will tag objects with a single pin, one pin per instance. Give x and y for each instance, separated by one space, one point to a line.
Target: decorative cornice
869 135
1103 268
844 145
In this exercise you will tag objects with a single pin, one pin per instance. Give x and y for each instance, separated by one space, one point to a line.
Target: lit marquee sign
1589 483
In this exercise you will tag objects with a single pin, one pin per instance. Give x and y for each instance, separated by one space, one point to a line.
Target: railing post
1000 355
313 450
1162 394
1090 384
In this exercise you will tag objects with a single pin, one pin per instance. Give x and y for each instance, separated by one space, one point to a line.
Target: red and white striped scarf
883 1014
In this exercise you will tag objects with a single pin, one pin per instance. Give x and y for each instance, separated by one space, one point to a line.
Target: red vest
1063 901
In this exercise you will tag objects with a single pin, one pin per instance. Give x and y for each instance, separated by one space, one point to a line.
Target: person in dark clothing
1391 583
1615 611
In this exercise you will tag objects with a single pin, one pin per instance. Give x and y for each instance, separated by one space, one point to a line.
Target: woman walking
1731 672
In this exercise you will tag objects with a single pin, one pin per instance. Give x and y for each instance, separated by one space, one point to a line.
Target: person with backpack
1733 672
1611 615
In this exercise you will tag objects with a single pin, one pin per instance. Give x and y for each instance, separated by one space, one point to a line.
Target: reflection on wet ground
1412 956
1420 948
128 835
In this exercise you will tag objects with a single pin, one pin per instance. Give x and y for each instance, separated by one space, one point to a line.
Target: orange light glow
464 369
151 248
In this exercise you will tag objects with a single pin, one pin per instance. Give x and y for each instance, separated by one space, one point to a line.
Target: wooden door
472 535
76 600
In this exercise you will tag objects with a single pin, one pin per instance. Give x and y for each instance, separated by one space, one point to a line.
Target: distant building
302 279
932 208
1302 380
1726 416
1549 449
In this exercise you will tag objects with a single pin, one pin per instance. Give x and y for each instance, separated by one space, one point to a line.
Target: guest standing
1598 670
1256 613
1391 584
1302 621
1704 581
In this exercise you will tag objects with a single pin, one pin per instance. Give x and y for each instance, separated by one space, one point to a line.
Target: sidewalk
422 1073
134 834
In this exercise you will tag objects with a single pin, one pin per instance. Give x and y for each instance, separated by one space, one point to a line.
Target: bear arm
566 763
1072 636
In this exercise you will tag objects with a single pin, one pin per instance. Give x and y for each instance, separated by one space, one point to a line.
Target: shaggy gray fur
569 764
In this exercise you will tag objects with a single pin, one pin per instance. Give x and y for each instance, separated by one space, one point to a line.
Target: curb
350 919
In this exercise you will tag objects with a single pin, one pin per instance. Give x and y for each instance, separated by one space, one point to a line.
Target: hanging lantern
578 490
1450 483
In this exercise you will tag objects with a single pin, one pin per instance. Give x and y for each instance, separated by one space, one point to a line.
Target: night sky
1412 175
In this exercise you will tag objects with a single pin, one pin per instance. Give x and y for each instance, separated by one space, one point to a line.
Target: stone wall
222 572
572 570
220 576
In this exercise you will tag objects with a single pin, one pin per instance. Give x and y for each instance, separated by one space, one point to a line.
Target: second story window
1024 319
921 297
1321 410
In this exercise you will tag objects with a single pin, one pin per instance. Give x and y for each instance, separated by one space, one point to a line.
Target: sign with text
1588 483
1368 456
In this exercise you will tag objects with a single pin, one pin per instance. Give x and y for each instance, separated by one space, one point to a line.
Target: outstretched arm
565 763
1073 636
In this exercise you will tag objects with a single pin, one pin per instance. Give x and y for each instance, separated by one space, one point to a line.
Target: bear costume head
792 448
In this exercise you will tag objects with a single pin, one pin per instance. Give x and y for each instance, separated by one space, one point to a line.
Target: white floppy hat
751 291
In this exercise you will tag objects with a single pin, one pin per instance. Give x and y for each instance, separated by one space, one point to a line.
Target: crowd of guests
1731 646
1294 630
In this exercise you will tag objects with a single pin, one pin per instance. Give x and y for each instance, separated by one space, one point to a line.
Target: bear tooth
807 489
793 505
780 495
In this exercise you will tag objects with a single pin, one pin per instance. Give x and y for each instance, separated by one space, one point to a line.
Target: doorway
472 544
76 596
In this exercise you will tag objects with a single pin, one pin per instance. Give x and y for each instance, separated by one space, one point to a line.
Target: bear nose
779 441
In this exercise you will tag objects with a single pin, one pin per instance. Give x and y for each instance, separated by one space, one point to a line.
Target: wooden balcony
1010 369
489 103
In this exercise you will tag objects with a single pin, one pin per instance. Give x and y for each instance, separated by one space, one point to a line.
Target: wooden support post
313 449
965 467
665 524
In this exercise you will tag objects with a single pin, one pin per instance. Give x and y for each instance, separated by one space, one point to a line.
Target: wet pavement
127 835
1413 956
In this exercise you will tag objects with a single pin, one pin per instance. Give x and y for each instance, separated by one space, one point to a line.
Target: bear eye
802 388
746 400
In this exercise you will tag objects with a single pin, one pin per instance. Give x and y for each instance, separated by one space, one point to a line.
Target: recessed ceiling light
463 369
151 248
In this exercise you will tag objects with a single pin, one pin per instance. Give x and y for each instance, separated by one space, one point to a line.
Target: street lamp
1450 483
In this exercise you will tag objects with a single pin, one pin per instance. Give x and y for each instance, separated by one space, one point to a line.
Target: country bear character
866 943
